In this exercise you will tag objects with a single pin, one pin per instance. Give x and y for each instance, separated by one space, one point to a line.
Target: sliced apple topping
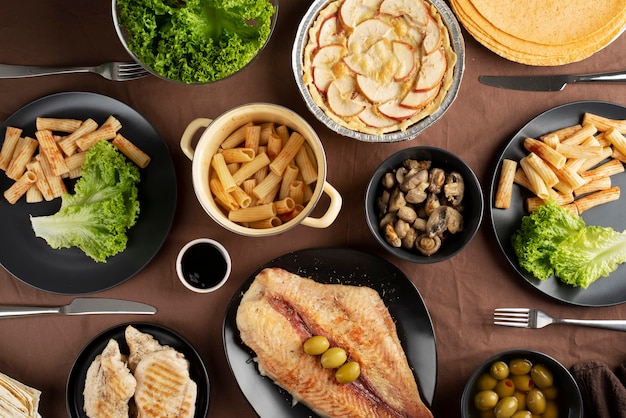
329 31
353 12
367 33
373 62
432 37
405 54
323 65
328 55
414 10
374 119
418 99
322 77
376 91
395 111
343 98
432 70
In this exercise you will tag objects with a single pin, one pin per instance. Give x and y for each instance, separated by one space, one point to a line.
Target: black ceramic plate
606 290
70 271
165 336
349 267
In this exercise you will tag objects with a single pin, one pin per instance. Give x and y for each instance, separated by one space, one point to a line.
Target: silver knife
80 306
549 82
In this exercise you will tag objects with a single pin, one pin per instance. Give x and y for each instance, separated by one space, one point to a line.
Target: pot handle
188 134
331 214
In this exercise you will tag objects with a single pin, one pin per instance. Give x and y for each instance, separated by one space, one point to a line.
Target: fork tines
512 317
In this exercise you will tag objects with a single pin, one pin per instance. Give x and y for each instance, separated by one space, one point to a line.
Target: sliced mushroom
400 173
417 195
411 181
436 178
389 218
402 228
420 224
388 180
396 200
444 218
409 239
432 203
437 221
422 165
391 237
428 245
455 220
407 214
454 188
383 202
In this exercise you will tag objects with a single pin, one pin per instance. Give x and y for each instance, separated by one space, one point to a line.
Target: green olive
316 345
552 411
520 366
486 400
485 382
333 357
348 372
505 387
535 401
522 414
523 382
499 370
550 393
487 414
506 407
542 376
521 399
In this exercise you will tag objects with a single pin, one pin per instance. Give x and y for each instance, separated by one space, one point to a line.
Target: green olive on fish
316 345
333 358
348 372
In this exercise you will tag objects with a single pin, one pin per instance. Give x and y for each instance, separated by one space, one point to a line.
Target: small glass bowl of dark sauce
203 265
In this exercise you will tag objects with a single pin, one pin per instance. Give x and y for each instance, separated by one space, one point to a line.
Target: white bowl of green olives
521 384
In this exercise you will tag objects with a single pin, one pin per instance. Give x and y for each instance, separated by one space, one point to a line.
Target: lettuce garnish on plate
552 241
195 41
104 205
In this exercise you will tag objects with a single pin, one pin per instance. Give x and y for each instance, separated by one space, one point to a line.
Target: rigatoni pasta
272 170
55 154
583 157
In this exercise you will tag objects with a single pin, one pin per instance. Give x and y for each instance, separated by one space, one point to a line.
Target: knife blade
80 306
549 82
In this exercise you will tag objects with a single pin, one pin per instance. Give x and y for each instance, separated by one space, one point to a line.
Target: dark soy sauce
203 265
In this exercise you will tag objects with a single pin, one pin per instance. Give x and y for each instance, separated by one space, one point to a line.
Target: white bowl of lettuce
194 41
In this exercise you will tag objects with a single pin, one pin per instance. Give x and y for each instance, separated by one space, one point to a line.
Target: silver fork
534 318
116 71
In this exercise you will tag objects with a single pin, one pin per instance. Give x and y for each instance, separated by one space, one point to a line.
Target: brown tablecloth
460 293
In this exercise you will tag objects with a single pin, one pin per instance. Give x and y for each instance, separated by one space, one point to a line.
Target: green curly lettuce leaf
539 235
594 252
104 206
196 40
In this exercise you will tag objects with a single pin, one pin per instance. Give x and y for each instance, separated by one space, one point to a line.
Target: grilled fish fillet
164 388
109 385
281 310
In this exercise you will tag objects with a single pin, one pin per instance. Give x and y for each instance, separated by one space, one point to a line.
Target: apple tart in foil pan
378 70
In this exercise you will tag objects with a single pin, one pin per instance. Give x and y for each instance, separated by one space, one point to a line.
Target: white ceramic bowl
218 129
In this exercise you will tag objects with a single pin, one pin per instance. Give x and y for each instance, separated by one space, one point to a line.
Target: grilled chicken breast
109 385
164 388
281 310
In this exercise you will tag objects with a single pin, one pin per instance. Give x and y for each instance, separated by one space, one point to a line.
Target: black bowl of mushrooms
424 204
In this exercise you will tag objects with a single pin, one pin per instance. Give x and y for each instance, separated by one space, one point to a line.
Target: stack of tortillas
17 400
540 32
